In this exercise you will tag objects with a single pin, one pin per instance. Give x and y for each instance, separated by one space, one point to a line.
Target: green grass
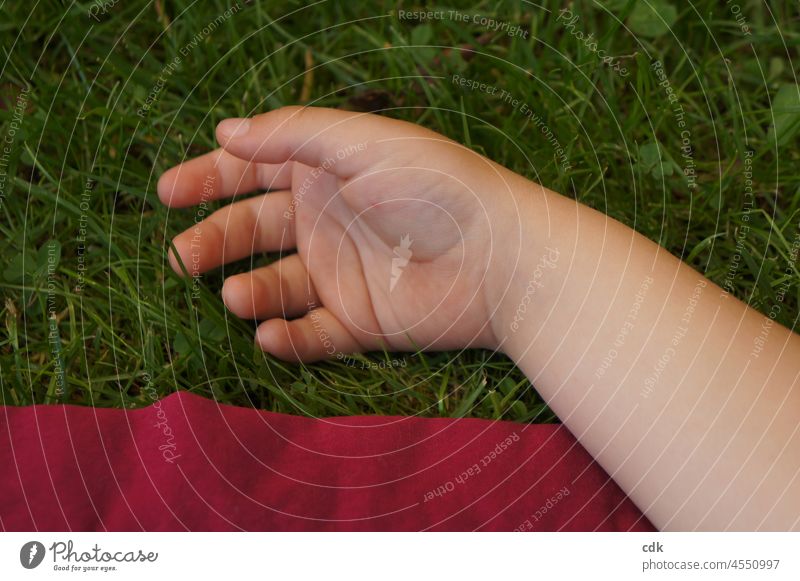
122 316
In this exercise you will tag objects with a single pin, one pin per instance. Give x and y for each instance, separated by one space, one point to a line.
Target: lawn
679 119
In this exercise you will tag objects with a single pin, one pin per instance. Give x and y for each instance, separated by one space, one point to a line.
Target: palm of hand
395 253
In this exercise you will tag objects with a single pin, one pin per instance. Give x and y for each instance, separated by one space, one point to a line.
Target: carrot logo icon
402 254
31 554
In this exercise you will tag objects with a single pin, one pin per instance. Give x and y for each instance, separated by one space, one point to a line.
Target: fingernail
233 127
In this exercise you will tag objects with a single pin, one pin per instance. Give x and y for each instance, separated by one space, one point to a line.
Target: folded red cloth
188 463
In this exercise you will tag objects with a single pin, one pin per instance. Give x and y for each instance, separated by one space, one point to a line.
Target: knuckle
291 112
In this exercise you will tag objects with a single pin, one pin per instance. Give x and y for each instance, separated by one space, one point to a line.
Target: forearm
686 396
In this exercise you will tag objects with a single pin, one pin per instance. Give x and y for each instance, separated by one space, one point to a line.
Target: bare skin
406 240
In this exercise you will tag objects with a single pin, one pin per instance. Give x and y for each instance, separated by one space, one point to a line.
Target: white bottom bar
402 556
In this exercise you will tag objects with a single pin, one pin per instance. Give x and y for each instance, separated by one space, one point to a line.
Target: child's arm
687 397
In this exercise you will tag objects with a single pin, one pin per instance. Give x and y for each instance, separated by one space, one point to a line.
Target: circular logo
31 554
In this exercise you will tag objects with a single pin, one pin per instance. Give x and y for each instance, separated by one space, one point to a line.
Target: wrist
534 253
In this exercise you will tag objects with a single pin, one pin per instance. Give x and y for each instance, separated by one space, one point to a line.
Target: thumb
342 142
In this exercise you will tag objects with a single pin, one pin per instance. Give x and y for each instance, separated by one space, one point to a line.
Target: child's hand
396 229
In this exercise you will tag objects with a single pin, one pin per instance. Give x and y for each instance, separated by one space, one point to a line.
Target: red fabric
188 463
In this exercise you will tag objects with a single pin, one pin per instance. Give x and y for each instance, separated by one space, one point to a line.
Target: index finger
340 141
216 175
